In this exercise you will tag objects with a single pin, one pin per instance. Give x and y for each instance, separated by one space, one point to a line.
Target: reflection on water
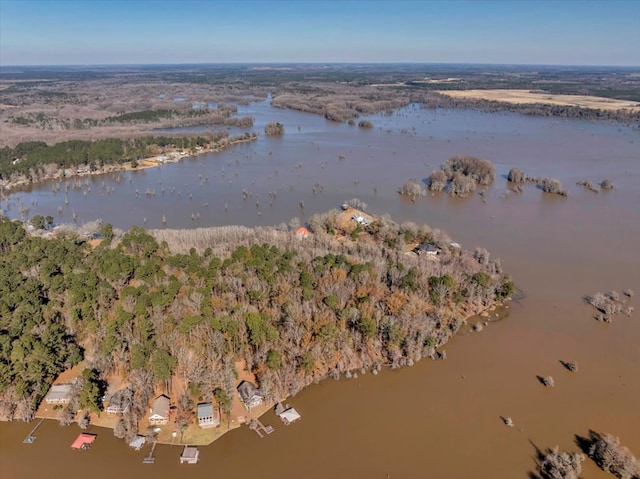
436 419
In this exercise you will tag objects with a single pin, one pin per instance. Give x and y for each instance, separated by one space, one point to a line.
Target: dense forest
149 310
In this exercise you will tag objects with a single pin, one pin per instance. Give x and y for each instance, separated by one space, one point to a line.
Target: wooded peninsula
147 308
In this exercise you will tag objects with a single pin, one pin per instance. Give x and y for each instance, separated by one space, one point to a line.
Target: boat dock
150 459
30 439
260 428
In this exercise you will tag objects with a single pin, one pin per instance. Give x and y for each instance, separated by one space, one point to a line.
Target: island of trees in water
151 306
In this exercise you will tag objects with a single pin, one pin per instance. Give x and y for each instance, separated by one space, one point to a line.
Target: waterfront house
208 416
159 413
250 394
361 219
189 455
120 401
302 232
59 394
427 249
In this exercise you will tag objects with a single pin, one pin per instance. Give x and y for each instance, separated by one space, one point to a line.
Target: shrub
551 185
411 189
437 180
274 129
516 176
356 203
588 185
461 185
365 124
606 184
547 381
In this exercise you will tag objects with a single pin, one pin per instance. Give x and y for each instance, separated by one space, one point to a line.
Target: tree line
35 158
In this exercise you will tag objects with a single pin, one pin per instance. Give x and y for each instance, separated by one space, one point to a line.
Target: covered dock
83 441
189 455
137 442
288 415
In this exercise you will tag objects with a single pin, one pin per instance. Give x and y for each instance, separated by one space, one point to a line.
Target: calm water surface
436 419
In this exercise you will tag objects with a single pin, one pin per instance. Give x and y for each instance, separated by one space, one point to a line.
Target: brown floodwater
437 419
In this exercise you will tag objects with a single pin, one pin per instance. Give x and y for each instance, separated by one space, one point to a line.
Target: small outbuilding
189 455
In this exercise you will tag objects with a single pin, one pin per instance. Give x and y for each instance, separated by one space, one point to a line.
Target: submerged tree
561 465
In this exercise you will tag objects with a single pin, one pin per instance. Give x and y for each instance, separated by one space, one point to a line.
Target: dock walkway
260 428
30 439
150 459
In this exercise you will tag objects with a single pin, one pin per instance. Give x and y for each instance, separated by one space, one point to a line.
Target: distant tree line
31 159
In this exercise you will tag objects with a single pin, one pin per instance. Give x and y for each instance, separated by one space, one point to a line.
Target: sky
92 32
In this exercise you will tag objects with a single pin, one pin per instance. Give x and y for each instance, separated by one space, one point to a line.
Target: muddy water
436 419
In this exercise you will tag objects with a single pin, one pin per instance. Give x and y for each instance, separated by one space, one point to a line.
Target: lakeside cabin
302 233
120 401
59 394
159 412
427 249
208 416
83 441
189 455
250 395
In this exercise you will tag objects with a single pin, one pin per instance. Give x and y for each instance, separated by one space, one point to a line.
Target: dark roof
247 389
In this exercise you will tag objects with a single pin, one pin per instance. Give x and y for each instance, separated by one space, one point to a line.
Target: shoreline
168 157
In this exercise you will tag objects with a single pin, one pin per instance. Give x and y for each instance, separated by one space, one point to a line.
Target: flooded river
436 419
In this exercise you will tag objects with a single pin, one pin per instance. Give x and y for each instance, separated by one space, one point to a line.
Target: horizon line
93 65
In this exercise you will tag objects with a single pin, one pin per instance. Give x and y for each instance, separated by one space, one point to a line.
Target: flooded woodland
437 419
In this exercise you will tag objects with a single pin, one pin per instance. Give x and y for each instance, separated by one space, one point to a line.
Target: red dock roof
83 440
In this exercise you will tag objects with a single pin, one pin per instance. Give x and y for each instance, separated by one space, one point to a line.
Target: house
427 249
208 416
250 394
120 402
59 394
302 232
137 442
189 455
159 413
83 441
